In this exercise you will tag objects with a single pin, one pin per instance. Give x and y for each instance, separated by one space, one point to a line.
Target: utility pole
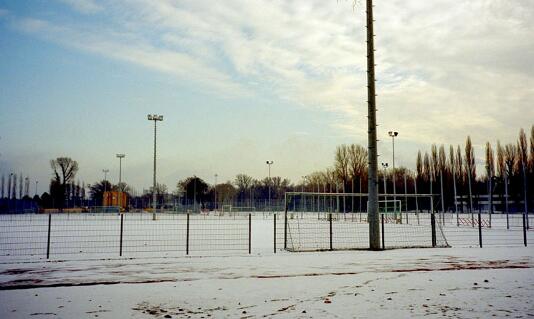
155 118
372 209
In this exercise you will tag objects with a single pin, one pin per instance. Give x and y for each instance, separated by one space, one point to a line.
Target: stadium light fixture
155 118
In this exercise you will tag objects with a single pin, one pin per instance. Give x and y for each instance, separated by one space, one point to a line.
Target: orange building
112 199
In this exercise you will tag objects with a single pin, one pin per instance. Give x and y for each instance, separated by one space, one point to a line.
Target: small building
115 199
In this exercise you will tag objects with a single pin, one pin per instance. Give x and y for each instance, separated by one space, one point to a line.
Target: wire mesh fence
462 230
112 235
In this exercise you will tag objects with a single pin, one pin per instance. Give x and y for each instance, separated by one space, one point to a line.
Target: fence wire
87 235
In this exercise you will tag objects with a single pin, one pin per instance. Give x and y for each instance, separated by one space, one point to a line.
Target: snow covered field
448 282
214 283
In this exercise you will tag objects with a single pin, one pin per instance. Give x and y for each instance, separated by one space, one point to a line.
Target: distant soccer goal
333 221
237 209
103 209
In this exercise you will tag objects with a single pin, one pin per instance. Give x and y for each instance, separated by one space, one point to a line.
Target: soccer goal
330 221
238 209
103 209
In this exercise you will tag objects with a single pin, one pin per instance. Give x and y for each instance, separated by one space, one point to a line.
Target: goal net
333 221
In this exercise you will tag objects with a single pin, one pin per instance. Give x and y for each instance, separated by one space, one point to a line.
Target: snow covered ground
436 282
447 282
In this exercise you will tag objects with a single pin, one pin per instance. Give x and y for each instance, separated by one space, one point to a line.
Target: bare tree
490 162
452 163
427 171
419 165
358 158
523 158
460 166
21 186
471 173
341 165
64 171
501 168
510 160
14 187
3 181
490 173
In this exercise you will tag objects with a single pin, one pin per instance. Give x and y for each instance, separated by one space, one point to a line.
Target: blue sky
240 82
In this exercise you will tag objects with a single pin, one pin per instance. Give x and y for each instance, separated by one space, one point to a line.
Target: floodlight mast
269 163
120 157
372 209
155 118
394 134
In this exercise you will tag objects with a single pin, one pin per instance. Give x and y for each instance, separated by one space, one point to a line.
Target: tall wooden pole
372 210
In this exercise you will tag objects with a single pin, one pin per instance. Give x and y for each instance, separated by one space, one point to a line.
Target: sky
240 82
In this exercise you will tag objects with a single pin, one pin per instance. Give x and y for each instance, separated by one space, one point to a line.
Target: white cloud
445 69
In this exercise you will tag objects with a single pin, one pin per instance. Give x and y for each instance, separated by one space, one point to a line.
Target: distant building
112 199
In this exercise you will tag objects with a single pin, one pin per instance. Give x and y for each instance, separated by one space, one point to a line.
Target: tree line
449 172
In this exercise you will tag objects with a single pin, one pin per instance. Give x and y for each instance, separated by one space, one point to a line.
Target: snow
435 282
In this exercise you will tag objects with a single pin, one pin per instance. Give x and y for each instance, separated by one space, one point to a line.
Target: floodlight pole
269 163
372 209
394 134
155 118
385 167
215 193
120 157
105 171
195 193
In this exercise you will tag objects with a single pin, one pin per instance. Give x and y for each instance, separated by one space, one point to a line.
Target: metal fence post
479 229
330 222
285 228
48 241
383 233
187 236
524 229
122 227
433 226
249 232
274 237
